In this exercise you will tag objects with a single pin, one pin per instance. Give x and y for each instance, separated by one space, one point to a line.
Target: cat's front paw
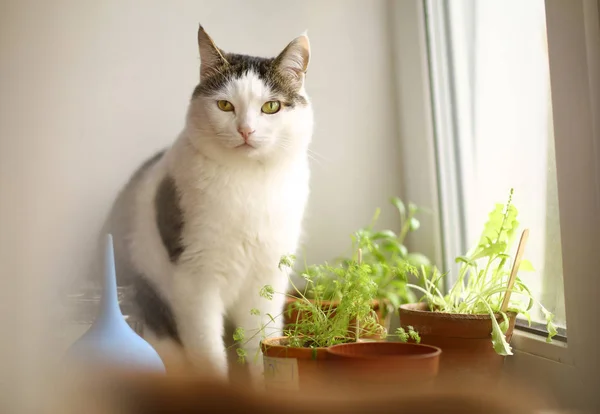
208 365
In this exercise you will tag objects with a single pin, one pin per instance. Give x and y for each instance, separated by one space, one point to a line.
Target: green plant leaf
527 316
287 261
402 334
375 217
238 335
490 250
306 276
400 206
254 312
384 234
526 266
267 292
417 260
414 335
403 250
414 224
519 283
550 326
463 259
390 245
498 339
241 353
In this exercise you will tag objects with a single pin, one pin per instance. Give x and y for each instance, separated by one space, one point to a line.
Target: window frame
574 54
570 370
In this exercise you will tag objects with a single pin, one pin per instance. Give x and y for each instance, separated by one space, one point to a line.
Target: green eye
225 106
271 107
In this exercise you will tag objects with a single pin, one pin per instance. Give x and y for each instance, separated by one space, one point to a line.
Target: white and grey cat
201 227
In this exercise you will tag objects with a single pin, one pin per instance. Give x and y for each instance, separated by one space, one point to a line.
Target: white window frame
571 372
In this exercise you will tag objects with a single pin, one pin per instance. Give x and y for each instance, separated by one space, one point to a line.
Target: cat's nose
245 132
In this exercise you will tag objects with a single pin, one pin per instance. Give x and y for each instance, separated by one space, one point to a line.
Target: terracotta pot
383 362
292 369
291 316
465 340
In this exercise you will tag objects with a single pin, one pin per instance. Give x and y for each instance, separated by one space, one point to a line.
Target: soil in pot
465 340
292 369
384 362
291 314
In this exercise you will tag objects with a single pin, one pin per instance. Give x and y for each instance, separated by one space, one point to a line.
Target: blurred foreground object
130 393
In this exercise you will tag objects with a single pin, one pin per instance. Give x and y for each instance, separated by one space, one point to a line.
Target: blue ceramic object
110 340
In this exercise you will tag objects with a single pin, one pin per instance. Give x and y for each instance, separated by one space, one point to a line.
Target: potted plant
325 289
299 353
474 321
300 359
387 253
390 262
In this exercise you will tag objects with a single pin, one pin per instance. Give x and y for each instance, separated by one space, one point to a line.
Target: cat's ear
211 58
292 63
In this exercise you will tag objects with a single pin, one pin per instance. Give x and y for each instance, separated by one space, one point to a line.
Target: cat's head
250 107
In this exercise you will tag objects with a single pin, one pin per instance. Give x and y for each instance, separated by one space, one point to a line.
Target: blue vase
110 341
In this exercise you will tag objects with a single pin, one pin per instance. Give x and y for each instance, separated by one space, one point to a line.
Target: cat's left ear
292 63
211 57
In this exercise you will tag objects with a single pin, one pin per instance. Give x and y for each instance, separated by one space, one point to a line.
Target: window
438 59
494 131
430 102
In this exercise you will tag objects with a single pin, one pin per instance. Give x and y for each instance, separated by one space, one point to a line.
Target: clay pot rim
413 308
434 351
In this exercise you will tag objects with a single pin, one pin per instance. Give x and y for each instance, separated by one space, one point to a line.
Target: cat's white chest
246 220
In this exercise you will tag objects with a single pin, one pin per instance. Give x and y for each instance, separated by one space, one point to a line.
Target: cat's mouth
246 146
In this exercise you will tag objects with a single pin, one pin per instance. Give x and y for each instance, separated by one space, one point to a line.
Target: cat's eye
225 106
271 107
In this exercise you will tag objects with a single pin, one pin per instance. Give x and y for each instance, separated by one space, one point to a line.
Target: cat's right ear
292 63
211 58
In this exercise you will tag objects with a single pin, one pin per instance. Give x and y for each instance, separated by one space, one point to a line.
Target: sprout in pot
390 263
304 341
339 290
473 322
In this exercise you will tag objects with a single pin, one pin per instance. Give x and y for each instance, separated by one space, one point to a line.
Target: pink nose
245 132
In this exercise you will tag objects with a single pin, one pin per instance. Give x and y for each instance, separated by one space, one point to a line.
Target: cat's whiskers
316 155
316 160
284 141
285 145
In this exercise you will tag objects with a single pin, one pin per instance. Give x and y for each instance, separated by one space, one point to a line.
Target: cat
200 228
